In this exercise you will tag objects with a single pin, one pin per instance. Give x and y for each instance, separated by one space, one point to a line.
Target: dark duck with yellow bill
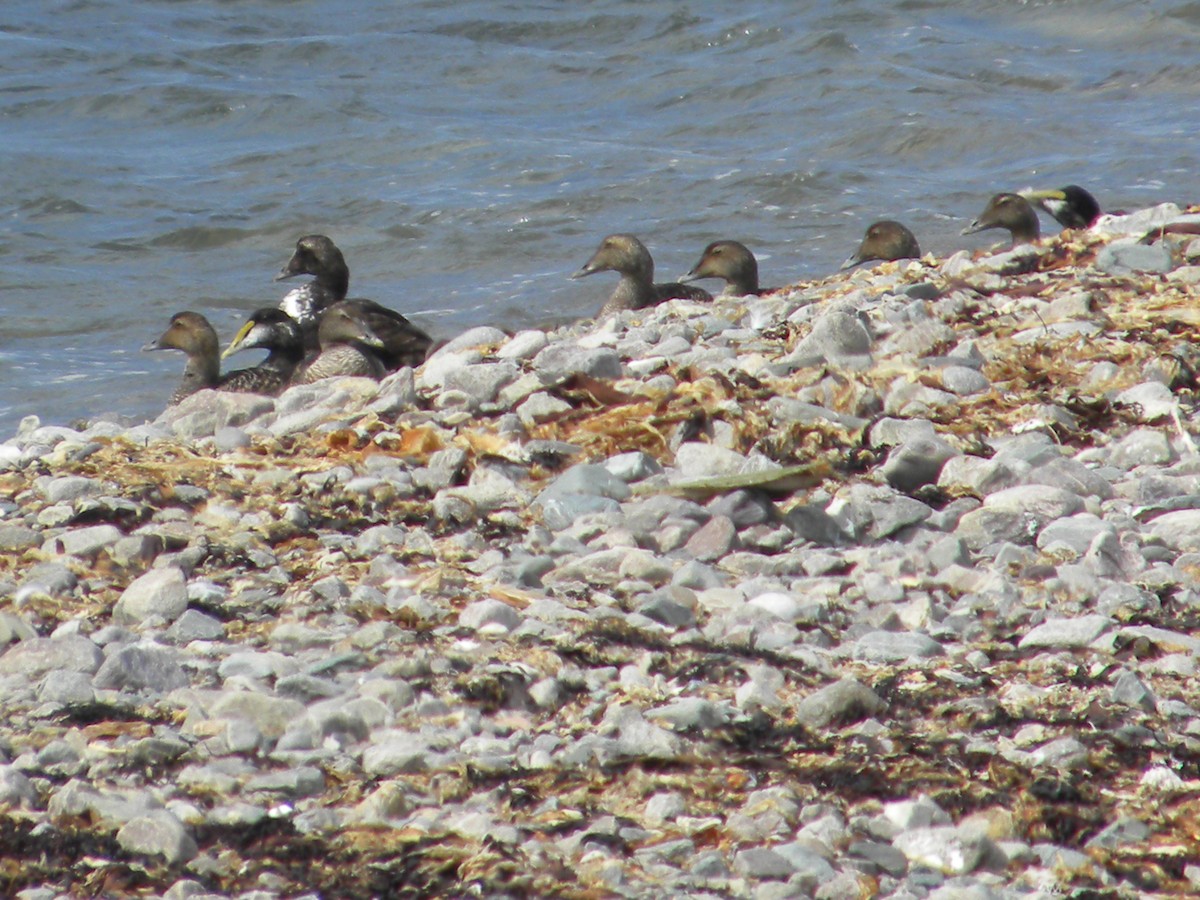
273 330
629 258
1070 206
886 240
732 262
1011 212
348 347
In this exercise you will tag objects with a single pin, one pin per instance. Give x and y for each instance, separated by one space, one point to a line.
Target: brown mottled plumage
348 347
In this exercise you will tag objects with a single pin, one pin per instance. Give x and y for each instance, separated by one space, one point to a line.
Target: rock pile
883 585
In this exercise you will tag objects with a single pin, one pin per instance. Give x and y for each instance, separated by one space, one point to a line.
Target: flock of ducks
316 333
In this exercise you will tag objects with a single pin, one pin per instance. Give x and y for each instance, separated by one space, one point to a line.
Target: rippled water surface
165 154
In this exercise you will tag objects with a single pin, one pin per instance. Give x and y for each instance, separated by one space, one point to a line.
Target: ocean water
467 157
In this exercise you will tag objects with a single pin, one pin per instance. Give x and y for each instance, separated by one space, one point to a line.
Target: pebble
844 701
1067 633
160 593
158 834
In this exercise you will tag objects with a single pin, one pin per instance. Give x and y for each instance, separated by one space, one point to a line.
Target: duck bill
156 344
365 335
1053 194
236 344
974 227
291 270
591 267
851 262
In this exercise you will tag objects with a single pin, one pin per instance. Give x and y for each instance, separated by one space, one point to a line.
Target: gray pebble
37 656
158 834
713 540
489 615
304 781
916 463
844 701
1124 832
887 646
397 754
524 345
561 360
691 713
160 593
943 849
1125 257
141 668
1129 690
69 488
762 862
16 790
1063 753
67 688
1067 634
964 381
83 542
838 336
481 382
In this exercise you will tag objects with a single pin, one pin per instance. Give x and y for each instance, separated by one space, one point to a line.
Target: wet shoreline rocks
882 585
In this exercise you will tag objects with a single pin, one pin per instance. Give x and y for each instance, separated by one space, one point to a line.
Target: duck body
629 258
885 240
732 262
274 330
1070 206
1011 212
348 347
403 343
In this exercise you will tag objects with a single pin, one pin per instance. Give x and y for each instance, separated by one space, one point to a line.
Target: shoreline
884 584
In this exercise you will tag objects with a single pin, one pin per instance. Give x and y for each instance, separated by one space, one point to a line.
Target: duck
628 256
1010 211
274 330
1070 206
348 346
319 256
194 335
733 262
886 240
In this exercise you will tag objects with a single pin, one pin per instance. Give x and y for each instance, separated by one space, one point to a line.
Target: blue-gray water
165 154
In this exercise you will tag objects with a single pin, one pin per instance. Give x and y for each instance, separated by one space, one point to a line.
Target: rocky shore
883 585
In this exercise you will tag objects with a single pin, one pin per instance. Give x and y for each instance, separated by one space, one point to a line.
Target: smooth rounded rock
160 593
887 646
847 700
